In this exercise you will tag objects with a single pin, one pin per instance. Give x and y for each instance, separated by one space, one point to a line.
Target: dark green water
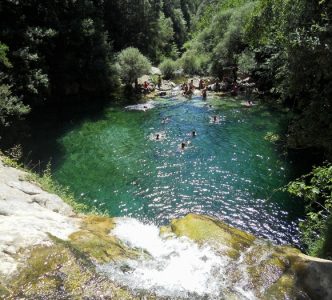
228 170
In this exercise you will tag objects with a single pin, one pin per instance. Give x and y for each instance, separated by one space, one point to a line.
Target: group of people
193 133
189 88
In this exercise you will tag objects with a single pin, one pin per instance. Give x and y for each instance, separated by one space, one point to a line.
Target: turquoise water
228 170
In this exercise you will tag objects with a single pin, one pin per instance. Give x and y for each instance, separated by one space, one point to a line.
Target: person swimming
194 133
215 118
157 136
165 120
183 145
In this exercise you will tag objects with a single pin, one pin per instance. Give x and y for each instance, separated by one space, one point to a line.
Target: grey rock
25 187
54 203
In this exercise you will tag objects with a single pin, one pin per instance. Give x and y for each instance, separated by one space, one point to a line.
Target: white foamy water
170 266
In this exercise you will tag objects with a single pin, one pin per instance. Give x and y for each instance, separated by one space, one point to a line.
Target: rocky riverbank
49 252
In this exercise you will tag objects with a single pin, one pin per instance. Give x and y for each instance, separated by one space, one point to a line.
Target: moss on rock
61 271
204 229
96 241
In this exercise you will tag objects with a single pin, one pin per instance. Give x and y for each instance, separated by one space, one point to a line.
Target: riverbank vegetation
60 53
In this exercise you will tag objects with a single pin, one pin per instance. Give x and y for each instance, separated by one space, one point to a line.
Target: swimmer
215 118
183 145
165 120
157 136
194 133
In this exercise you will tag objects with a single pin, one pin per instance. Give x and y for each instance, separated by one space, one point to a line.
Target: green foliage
132 64
316 190
11 107
246 61
190 64
168 67
3 55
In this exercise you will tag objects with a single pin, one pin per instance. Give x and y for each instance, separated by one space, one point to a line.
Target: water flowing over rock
47 252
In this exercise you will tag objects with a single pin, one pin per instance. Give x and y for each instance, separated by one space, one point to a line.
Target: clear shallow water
228 171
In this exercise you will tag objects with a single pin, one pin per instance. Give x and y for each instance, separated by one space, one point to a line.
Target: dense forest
61 52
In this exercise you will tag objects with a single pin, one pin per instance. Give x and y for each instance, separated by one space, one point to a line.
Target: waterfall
170 266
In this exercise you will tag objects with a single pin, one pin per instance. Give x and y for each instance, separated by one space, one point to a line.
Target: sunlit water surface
228 170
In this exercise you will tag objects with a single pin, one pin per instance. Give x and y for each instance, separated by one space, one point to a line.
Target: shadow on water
39 131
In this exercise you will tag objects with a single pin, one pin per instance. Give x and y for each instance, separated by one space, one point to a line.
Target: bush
132 64
190 64
168 67
316 190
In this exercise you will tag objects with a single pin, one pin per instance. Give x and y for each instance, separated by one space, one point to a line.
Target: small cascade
174 267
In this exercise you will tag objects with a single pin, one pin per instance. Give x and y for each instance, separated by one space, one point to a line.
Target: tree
132 64
168 67
315 189
10 106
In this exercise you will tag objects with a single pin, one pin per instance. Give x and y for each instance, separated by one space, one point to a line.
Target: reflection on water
228 170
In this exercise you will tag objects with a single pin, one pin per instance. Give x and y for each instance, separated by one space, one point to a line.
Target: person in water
183 145
157 136
165 120
194 133
204 92
215 119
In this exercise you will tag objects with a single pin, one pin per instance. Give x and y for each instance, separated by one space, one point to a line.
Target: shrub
190 64
132 64
316 190
168 67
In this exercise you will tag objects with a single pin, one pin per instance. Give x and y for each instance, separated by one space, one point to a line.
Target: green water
228 170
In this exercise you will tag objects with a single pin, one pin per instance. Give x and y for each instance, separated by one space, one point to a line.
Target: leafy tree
11 107
132 64
316 190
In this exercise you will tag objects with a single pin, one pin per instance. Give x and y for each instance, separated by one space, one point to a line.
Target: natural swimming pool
229 170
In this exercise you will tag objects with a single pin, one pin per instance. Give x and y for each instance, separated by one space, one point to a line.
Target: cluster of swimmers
193 133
